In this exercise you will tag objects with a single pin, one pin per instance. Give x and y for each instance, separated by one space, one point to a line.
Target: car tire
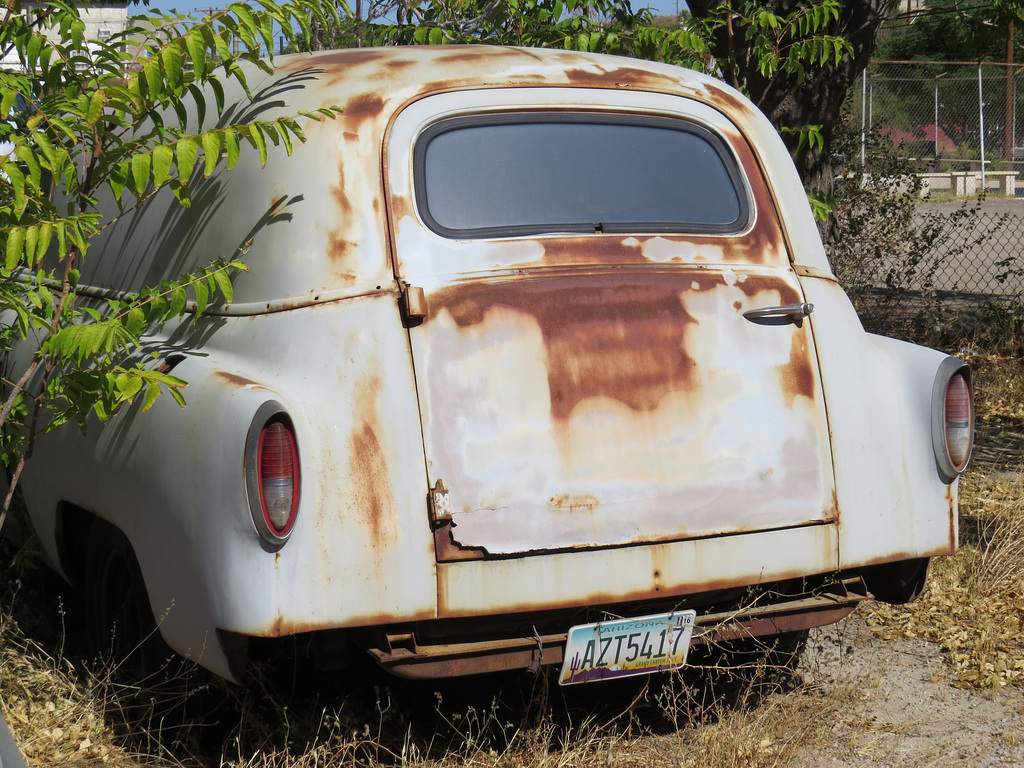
119 621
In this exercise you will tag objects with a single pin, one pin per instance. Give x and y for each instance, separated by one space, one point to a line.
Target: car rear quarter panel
893 504
173 480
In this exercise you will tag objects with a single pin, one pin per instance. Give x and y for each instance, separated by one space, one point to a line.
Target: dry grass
52 707
61 711
61 714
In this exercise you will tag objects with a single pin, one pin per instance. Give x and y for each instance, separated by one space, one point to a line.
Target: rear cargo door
610 345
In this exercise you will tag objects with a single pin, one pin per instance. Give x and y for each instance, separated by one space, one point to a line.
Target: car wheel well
72 531
899 582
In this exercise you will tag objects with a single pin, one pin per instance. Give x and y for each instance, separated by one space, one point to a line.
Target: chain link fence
947 116
958 130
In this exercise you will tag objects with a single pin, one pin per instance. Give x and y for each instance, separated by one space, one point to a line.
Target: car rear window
507 175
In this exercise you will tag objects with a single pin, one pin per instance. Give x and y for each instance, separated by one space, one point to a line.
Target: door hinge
413 306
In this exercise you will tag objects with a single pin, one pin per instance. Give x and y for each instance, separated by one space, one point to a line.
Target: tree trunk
817 100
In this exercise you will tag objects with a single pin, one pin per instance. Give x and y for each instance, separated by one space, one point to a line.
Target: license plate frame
604 650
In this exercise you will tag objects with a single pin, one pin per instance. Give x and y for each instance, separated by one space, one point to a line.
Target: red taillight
952 418
278 478
959 420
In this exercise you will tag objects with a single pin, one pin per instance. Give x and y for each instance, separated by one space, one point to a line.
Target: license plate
624 647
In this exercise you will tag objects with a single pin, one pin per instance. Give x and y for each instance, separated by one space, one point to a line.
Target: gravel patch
903 709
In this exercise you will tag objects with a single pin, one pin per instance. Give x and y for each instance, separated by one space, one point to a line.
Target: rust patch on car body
283 627
371 486
360 108
609 335
574 503
726 101
369 470
476 54
682 592
797 377
622 76
448 550
954 517
338 249
616 335
591 249
342 201
236 380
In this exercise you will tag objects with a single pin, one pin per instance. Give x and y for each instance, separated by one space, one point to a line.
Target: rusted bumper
405 655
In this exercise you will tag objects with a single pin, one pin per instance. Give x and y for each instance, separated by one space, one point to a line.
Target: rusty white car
538 361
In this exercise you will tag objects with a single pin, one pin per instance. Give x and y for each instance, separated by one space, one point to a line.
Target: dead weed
53 708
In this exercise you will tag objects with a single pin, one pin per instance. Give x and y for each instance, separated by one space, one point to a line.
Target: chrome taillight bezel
949 371
271 537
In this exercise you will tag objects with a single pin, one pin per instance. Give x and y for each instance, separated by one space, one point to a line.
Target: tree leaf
152 393
231 146
95 107
202 296
182 193
130 386
186 152
141 164
31 240
179 300
163 157
197 53
15 247
154 79
211 151
223 281
136 321
44 240
255 135
170 57
8 102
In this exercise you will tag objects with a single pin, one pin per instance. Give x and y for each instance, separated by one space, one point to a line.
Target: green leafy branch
777 43
118 331
123 119
98 385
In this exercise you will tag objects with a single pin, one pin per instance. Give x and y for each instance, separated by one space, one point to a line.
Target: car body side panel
361 552
893 505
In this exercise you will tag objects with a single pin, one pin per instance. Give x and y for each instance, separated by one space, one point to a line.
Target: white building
102 20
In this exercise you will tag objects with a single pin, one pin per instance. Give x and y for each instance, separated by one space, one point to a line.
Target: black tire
119 621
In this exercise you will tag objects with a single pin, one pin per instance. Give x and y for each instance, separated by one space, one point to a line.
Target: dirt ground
908 712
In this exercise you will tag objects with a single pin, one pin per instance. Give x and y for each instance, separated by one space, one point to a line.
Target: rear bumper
408 654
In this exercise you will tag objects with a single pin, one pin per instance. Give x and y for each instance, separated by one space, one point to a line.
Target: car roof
371 79
313 228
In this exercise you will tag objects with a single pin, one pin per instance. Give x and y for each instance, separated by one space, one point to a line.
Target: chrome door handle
790 313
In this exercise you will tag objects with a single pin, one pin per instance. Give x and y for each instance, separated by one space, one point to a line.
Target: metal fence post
981 129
